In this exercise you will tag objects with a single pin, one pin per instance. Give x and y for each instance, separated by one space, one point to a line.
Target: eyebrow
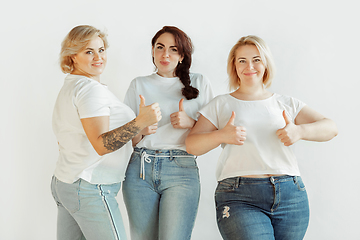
164 45
93 49
245 58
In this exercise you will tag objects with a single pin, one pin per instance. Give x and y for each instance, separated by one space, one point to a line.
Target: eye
89 52
242 61
101 50
159 47
174 50
257 60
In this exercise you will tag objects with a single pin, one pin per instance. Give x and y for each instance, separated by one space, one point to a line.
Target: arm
204 136
105 141
309 125
146 131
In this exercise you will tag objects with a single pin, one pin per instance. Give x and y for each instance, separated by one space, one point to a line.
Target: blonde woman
260 194
94 132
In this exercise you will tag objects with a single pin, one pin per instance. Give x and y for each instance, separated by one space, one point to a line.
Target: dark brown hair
185 48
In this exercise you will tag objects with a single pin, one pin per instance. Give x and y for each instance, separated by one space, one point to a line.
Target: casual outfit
162 188
252 208
85 184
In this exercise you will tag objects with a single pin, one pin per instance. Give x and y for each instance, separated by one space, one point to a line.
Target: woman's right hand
232 134
148 115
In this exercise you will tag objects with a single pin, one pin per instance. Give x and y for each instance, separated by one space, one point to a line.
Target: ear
152 51
73 58
181 59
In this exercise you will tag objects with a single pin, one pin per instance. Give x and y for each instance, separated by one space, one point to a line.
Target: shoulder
198 77
141 80
199 80
287 100
220 99
84 84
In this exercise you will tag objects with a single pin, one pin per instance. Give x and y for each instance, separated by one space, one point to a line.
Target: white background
316 50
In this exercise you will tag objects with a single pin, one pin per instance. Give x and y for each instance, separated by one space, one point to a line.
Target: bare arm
204 136
105 141
309 125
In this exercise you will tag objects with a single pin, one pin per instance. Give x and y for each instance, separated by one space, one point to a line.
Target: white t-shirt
82 97
167 92
262 152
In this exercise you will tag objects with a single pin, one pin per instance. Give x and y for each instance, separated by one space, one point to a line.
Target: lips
164 63
250 74
97 64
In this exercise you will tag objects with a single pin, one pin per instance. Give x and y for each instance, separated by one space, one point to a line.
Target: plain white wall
316 49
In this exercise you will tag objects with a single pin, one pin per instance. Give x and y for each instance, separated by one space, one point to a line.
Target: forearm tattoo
118 137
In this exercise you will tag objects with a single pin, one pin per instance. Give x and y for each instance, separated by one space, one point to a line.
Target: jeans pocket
185 162
300 184
226 185
68 195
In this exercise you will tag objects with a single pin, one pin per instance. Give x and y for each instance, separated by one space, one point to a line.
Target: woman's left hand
290 134
180 119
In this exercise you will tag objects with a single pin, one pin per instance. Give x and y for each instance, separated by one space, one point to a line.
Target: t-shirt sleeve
92 100
132 98
210 112
292 106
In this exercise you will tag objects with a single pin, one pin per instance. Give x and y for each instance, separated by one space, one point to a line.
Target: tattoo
118 137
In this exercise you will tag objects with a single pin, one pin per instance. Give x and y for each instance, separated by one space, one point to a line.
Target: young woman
260 194
161 188
93 129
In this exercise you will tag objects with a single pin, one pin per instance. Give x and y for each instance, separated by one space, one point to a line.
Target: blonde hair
75 41
266 57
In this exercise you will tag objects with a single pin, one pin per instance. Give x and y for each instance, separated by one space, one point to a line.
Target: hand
180 119
290 134
233 134
149 130
148 115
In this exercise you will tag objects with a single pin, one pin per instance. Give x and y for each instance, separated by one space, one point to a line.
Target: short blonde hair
75 41
265 54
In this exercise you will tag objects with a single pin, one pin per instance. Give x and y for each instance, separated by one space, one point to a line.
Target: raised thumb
181 105
287 120
142 101
232 118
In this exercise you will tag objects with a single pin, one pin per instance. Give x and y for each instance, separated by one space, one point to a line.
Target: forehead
166 39
247 51
95 42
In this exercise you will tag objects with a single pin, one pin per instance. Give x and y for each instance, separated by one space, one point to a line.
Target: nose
250 65
166 53
97 56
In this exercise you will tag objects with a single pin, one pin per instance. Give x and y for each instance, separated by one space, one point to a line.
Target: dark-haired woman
162 188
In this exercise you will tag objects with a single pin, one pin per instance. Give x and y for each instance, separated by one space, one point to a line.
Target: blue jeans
161 193
262 208
87 211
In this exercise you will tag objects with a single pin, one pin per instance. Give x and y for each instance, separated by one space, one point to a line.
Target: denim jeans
262 208
161 193
87 211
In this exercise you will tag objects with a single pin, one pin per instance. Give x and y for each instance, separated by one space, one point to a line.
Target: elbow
101 152
190 148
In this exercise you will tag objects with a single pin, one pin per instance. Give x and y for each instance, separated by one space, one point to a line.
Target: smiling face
166 55
249 65
91 61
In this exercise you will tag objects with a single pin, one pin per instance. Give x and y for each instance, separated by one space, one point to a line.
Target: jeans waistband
146 153
272 179
163 152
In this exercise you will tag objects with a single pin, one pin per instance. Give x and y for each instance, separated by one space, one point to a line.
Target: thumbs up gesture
180 119
290 134
148 115
233 134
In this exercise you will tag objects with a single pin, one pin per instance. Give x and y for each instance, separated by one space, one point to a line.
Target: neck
82 73
251 93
